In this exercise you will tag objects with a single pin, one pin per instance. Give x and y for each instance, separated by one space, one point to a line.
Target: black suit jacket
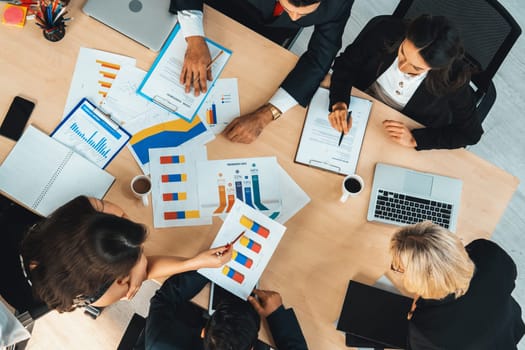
451 120
329 21
485 318
174 324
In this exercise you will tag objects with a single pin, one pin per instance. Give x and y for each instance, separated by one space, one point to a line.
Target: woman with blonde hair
462 294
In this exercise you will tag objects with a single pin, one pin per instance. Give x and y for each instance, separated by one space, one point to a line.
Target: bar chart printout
174 185
221 105
251 180
251 252
91 134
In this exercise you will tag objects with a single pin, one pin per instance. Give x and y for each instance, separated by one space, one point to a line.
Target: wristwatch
276 113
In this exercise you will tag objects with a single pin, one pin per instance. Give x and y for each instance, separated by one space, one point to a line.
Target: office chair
488 32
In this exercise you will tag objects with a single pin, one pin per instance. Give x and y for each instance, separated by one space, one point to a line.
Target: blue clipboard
91 133
162 100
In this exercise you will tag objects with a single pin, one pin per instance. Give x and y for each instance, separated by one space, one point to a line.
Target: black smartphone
16 118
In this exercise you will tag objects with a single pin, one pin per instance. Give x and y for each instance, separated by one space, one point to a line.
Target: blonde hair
434 261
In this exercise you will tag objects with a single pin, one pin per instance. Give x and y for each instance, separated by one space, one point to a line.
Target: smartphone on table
16 118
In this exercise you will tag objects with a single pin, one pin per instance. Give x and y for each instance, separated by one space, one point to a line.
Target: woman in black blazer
416 68
462 294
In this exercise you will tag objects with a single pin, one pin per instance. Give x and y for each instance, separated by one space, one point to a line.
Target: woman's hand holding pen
215 257
338 117
196 63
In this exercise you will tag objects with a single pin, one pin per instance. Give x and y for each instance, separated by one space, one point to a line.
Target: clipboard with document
318 145
161 84
92 133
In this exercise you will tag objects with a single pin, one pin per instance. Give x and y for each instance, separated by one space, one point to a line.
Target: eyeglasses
396 269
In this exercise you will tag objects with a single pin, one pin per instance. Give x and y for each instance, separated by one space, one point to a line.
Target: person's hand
195 67
246 128
215 257
266 302
398 132
137 275
338 117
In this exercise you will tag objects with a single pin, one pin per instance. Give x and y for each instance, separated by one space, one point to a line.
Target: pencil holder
55 33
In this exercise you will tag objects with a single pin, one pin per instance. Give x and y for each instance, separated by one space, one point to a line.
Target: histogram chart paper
94 74
91 134
251 252
221 105
174 185
252 180
151 126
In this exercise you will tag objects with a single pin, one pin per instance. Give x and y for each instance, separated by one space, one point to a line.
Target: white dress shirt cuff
191 22
283 100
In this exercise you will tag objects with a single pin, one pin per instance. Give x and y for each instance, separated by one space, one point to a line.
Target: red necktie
278 9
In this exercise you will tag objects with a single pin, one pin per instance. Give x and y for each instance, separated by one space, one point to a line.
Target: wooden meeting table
327 243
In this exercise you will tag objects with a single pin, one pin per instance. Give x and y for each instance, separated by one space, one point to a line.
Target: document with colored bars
174 185
255 181
251 252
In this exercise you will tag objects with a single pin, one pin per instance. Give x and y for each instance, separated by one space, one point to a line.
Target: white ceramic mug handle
344 197
145 200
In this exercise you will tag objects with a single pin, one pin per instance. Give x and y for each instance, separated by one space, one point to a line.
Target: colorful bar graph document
221 105
251 253
91 133
252 180
162 83
95 72
174 185
150 125
318 145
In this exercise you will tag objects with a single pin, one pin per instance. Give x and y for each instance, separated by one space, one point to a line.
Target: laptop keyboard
406 209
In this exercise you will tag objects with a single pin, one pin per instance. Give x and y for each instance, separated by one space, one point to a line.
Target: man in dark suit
269 18
175 323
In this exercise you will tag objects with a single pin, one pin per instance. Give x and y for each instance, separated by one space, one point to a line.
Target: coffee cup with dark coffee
141 188
352 185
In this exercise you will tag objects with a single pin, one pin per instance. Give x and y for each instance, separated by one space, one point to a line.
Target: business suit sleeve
464 128
165 304
285 330
179 5
302 82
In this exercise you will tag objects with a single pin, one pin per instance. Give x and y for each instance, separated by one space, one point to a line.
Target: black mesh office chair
488 32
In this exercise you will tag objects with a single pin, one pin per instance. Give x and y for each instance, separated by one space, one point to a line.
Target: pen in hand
348 116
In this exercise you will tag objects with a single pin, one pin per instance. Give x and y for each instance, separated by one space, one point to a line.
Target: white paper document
90 133
251 252
174 185
318 146
221 105
43 174
162 82
294 198
151 125
252 180
94 74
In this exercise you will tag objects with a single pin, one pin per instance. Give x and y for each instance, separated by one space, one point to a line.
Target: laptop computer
147 22
372 317
402 196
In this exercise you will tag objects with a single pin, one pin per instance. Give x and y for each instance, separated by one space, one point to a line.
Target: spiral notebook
43 174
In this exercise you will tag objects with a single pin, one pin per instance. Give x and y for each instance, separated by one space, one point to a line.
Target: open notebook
43 174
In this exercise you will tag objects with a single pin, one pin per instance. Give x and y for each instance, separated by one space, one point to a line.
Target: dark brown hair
77 249
441 47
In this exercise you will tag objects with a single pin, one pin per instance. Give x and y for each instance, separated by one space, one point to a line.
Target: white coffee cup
352 185
141 188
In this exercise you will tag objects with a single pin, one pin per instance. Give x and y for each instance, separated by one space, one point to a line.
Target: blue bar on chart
174 178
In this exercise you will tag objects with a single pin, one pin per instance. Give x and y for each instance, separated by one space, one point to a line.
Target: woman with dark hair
89 252
417 68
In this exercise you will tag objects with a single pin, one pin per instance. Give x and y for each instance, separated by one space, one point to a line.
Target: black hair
302 3
233 326
441 47
78 249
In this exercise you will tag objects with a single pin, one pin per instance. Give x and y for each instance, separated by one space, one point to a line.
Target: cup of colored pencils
52 19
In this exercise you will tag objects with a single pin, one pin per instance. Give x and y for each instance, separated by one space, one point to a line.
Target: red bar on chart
234 275
255 227
250 244
188 214
175 196
172 159
173 178
242 259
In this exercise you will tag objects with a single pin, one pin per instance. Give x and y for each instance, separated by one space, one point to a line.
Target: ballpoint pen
230 244
348 116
